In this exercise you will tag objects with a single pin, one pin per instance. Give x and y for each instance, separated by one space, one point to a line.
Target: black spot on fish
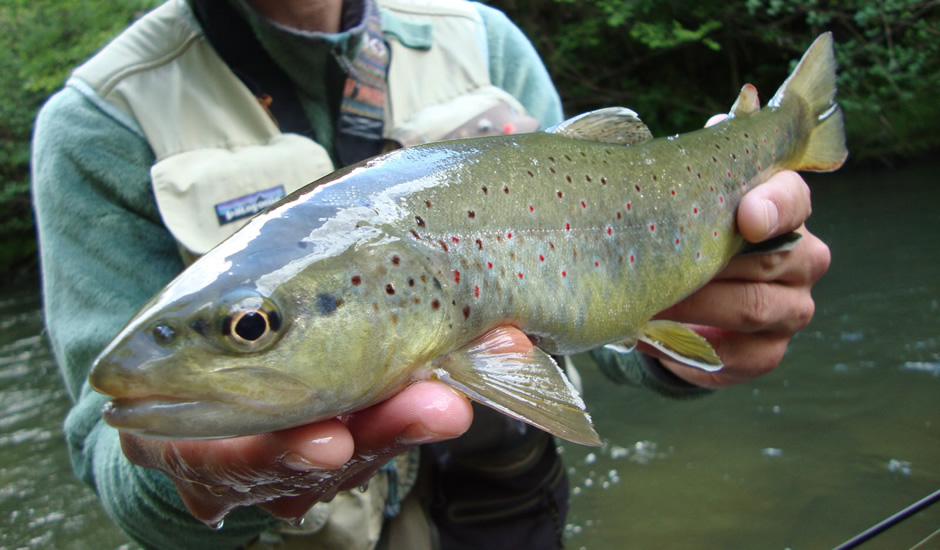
427 203
389 289
411 282
435 304
396 260
466 312
437 284
327 304
356 280
415 234
471 214
485 190
420 221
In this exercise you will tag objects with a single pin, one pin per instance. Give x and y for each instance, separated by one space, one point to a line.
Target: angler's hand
751 310
288 471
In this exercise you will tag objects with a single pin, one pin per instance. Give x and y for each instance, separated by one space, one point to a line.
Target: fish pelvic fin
814 82
615 125
503 370
682 344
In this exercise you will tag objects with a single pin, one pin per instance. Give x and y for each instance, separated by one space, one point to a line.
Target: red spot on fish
652 227
715 234
747 151
774 154
541 258
729 174
455 239
531 208
632 258
597 264
743 184
435 304
695 210
618 215
698 254
567 227
629 206
520 275
672 192
456 276
508 235
564 273
476 292
610 231
583 204
758 167
466 312
356 280
677 240
489 265
721 199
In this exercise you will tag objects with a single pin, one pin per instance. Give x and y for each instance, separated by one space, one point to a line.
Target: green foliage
41 41
677 62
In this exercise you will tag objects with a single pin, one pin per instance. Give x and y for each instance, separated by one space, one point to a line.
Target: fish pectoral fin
616 125
626 345
505 371
780 243
682 344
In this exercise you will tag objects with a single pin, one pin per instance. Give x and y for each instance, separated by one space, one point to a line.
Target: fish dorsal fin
504 371
682 344
747 103
616 125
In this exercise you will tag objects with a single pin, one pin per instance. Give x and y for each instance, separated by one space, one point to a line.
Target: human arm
104 253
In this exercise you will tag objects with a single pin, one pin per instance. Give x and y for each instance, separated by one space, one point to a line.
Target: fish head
222 352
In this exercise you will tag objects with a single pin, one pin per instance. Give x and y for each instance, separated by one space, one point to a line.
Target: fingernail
416 434
771 215
300 464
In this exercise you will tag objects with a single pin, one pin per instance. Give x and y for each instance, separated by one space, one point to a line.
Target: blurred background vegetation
675 62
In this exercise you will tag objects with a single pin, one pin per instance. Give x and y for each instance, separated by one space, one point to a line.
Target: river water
844 433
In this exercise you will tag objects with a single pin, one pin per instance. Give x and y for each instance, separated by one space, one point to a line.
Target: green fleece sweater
105 251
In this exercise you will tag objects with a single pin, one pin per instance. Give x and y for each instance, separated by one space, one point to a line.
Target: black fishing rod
890 522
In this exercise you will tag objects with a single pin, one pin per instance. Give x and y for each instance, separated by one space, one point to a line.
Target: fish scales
449 260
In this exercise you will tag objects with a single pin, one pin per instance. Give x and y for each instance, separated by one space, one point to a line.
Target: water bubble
617 452
591 458
772 452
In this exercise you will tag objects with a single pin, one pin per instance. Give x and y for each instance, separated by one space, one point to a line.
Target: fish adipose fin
616 125
503 370
814 82
682 344
747 102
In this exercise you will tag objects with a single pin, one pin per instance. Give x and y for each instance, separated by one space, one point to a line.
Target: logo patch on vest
248 205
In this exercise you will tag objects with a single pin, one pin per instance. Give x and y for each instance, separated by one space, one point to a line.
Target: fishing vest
163 80
220 158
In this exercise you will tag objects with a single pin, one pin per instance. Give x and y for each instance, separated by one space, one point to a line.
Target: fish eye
250 323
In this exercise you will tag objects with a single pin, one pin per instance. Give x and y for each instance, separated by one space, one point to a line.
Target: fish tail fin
814 82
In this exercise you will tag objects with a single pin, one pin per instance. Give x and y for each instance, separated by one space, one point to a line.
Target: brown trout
434 261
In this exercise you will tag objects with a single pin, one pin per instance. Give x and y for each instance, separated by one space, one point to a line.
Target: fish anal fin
505 371
682 344
747 103
780 243
616 125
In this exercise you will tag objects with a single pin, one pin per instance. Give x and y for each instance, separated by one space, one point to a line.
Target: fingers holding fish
780 205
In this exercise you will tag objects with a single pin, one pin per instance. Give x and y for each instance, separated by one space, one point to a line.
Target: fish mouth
162 417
